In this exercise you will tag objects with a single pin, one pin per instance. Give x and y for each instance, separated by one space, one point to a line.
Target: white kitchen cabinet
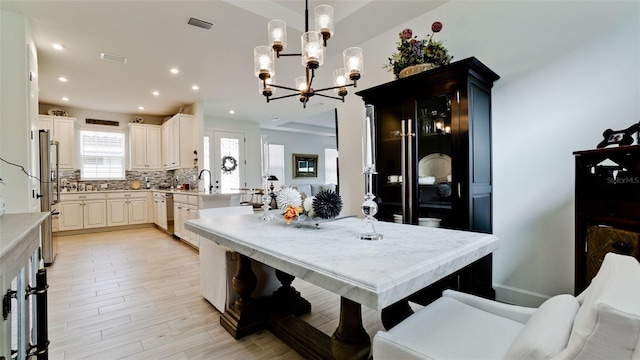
94 214
127 208
82 211
185 207
62 129
70 216
161 205
179 142
145 147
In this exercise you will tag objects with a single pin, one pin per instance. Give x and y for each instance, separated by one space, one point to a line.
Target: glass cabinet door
433 149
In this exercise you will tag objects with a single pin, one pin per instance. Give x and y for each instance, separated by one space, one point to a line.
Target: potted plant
416 55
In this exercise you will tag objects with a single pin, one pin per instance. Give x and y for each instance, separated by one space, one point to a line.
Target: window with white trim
331 166
102 155
276 164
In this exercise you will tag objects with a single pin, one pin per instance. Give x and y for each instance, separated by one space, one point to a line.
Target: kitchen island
376 274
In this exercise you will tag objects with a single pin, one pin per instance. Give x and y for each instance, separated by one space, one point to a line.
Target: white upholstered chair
218 265
603 322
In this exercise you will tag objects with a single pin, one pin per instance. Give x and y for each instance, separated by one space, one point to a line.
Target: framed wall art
305 165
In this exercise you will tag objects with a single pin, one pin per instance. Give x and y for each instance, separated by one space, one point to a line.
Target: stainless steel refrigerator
49 170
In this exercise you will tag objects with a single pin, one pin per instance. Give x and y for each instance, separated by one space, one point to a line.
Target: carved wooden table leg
244 316
288 298
350 340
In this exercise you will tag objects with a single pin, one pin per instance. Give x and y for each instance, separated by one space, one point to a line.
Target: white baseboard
518 296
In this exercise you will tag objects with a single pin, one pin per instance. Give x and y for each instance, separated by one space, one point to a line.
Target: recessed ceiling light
65 99
58 46
155 93
275 119
231 112
195 87
63 79
140 107
174 70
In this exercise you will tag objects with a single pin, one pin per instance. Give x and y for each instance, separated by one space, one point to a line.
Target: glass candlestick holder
369 209
266 201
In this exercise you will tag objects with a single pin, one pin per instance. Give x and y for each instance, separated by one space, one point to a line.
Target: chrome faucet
210 182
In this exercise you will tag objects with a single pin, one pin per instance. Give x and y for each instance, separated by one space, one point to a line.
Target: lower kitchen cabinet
127 208
185 207
163 211
82 211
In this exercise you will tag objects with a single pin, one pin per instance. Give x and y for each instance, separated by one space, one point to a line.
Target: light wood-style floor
135 294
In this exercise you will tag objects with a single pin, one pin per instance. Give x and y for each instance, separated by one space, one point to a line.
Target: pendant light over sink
313 44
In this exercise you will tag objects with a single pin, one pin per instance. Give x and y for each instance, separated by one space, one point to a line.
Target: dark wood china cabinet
434 146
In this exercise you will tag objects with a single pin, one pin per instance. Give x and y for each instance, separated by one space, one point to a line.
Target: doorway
224 156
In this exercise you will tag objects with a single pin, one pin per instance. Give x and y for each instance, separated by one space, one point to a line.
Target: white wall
18 114
569 70
298 143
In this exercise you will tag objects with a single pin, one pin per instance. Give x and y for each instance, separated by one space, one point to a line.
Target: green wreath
229 164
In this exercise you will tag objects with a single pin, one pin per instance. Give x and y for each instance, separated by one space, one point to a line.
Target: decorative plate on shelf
135 184
137 120
57 112
437 165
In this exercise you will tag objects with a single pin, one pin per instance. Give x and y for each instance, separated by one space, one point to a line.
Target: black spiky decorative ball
327 204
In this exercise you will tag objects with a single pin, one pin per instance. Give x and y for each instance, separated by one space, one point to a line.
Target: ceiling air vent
102 122
111 57
200 23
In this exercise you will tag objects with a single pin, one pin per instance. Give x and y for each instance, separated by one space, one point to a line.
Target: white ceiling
155 36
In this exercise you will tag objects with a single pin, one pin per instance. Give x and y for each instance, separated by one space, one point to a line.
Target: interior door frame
215 157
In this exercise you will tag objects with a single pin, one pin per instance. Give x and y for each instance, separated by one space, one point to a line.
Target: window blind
102 155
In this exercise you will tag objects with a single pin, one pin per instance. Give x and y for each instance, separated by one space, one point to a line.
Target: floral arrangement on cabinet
412 51
326 204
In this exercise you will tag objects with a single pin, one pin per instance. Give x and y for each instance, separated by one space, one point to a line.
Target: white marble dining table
375 274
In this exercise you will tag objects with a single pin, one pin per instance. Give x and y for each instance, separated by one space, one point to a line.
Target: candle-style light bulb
265 61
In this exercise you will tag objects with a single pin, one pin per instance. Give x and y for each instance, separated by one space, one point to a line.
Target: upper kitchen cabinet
433 137
179 142
62 129
145 148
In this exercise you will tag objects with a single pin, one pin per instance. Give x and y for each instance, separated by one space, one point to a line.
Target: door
230 147
137 211
177 219
63 131
433 150
160 212
94 214
117 212
70 215
154 160
138 148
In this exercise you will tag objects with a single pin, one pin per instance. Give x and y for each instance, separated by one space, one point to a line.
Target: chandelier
312 54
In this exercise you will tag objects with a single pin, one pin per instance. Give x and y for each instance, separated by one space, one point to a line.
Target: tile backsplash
157 179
